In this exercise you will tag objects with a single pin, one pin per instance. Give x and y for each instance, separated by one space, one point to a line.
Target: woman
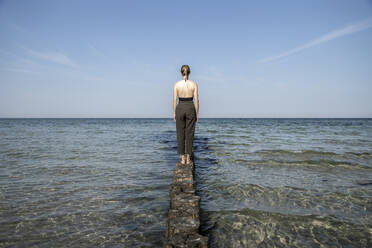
185 113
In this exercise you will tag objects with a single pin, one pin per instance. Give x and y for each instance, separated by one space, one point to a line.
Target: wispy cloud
350 29
14 69
54 57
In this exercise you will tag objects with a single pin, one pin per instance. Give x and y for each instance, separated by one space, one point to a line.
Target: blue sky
121 58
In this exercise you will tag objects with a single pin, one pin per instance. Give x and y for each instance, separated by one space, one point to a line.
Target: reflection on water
262 182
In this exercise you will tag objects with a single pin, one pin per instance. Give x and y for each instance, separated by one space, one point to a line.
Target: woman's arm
196 101
174 101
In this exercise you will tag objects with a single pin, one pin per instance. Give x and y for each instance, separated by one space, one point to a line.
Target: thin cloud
8 53
350 29
54 57
21 64
17 70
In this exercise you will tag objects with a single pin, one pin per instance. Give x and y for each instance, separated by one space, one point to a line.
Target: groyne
183 223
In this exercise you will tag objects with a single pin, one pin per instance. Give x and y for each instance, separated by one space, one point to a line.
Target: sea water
262 182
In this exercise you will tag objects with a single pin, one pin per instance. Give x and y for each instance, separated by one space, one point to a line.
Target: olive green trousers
185 125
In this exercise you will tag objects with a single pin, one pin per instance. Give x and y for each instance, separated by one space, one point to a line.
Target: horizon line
172 118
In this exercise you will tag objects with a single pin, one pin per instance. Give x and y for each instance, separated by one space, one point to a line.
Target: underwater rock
364 182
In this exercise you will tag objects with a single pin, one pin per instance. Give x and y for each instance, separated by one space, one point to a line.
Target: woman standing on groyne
185 113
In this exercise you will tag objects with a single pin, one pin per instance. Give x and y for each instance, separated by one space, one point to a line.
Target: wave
322 164
352 206
306 158
296 152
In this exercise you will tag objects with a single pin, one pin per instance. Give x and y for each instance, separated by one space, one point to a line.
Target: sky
251 59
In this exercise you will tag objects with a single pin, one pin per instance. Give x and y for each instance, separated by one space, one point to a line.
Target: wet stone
183 199
182 171
183 223
185 187
183 179
185 166
184 212
197 240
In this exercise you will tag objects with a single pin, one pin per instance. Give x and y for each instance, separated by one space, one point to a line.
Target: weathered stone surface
187 241
193 213
183 179
191 166
177 240
177 188
183 172
183 199
184 214
183 225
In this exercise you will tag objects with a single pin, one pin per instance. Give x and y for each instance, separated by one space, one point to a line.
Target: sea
262 182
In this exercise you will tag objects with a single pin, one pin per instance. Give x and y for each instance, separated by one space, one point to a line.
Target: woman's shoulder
193 83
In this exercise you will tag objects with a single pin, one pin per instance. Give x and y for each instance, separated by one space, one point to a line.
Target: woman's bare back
185 89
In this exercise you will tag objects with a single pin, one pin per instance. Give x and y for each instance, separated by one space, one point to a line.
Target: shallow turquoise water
262 182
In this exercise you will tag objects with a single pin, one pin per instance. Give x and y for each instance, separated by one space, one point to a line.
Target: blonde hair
185 71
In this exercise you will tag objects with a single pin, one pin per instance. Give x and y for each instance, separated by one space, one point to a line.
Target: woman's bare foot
183 160
188 161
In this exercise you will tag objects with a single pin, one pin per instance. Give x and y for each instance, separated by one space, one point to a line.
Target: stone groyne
183 223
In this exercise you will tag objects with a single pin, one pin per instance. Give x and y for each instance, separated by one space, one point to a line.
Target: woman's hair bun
185 70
